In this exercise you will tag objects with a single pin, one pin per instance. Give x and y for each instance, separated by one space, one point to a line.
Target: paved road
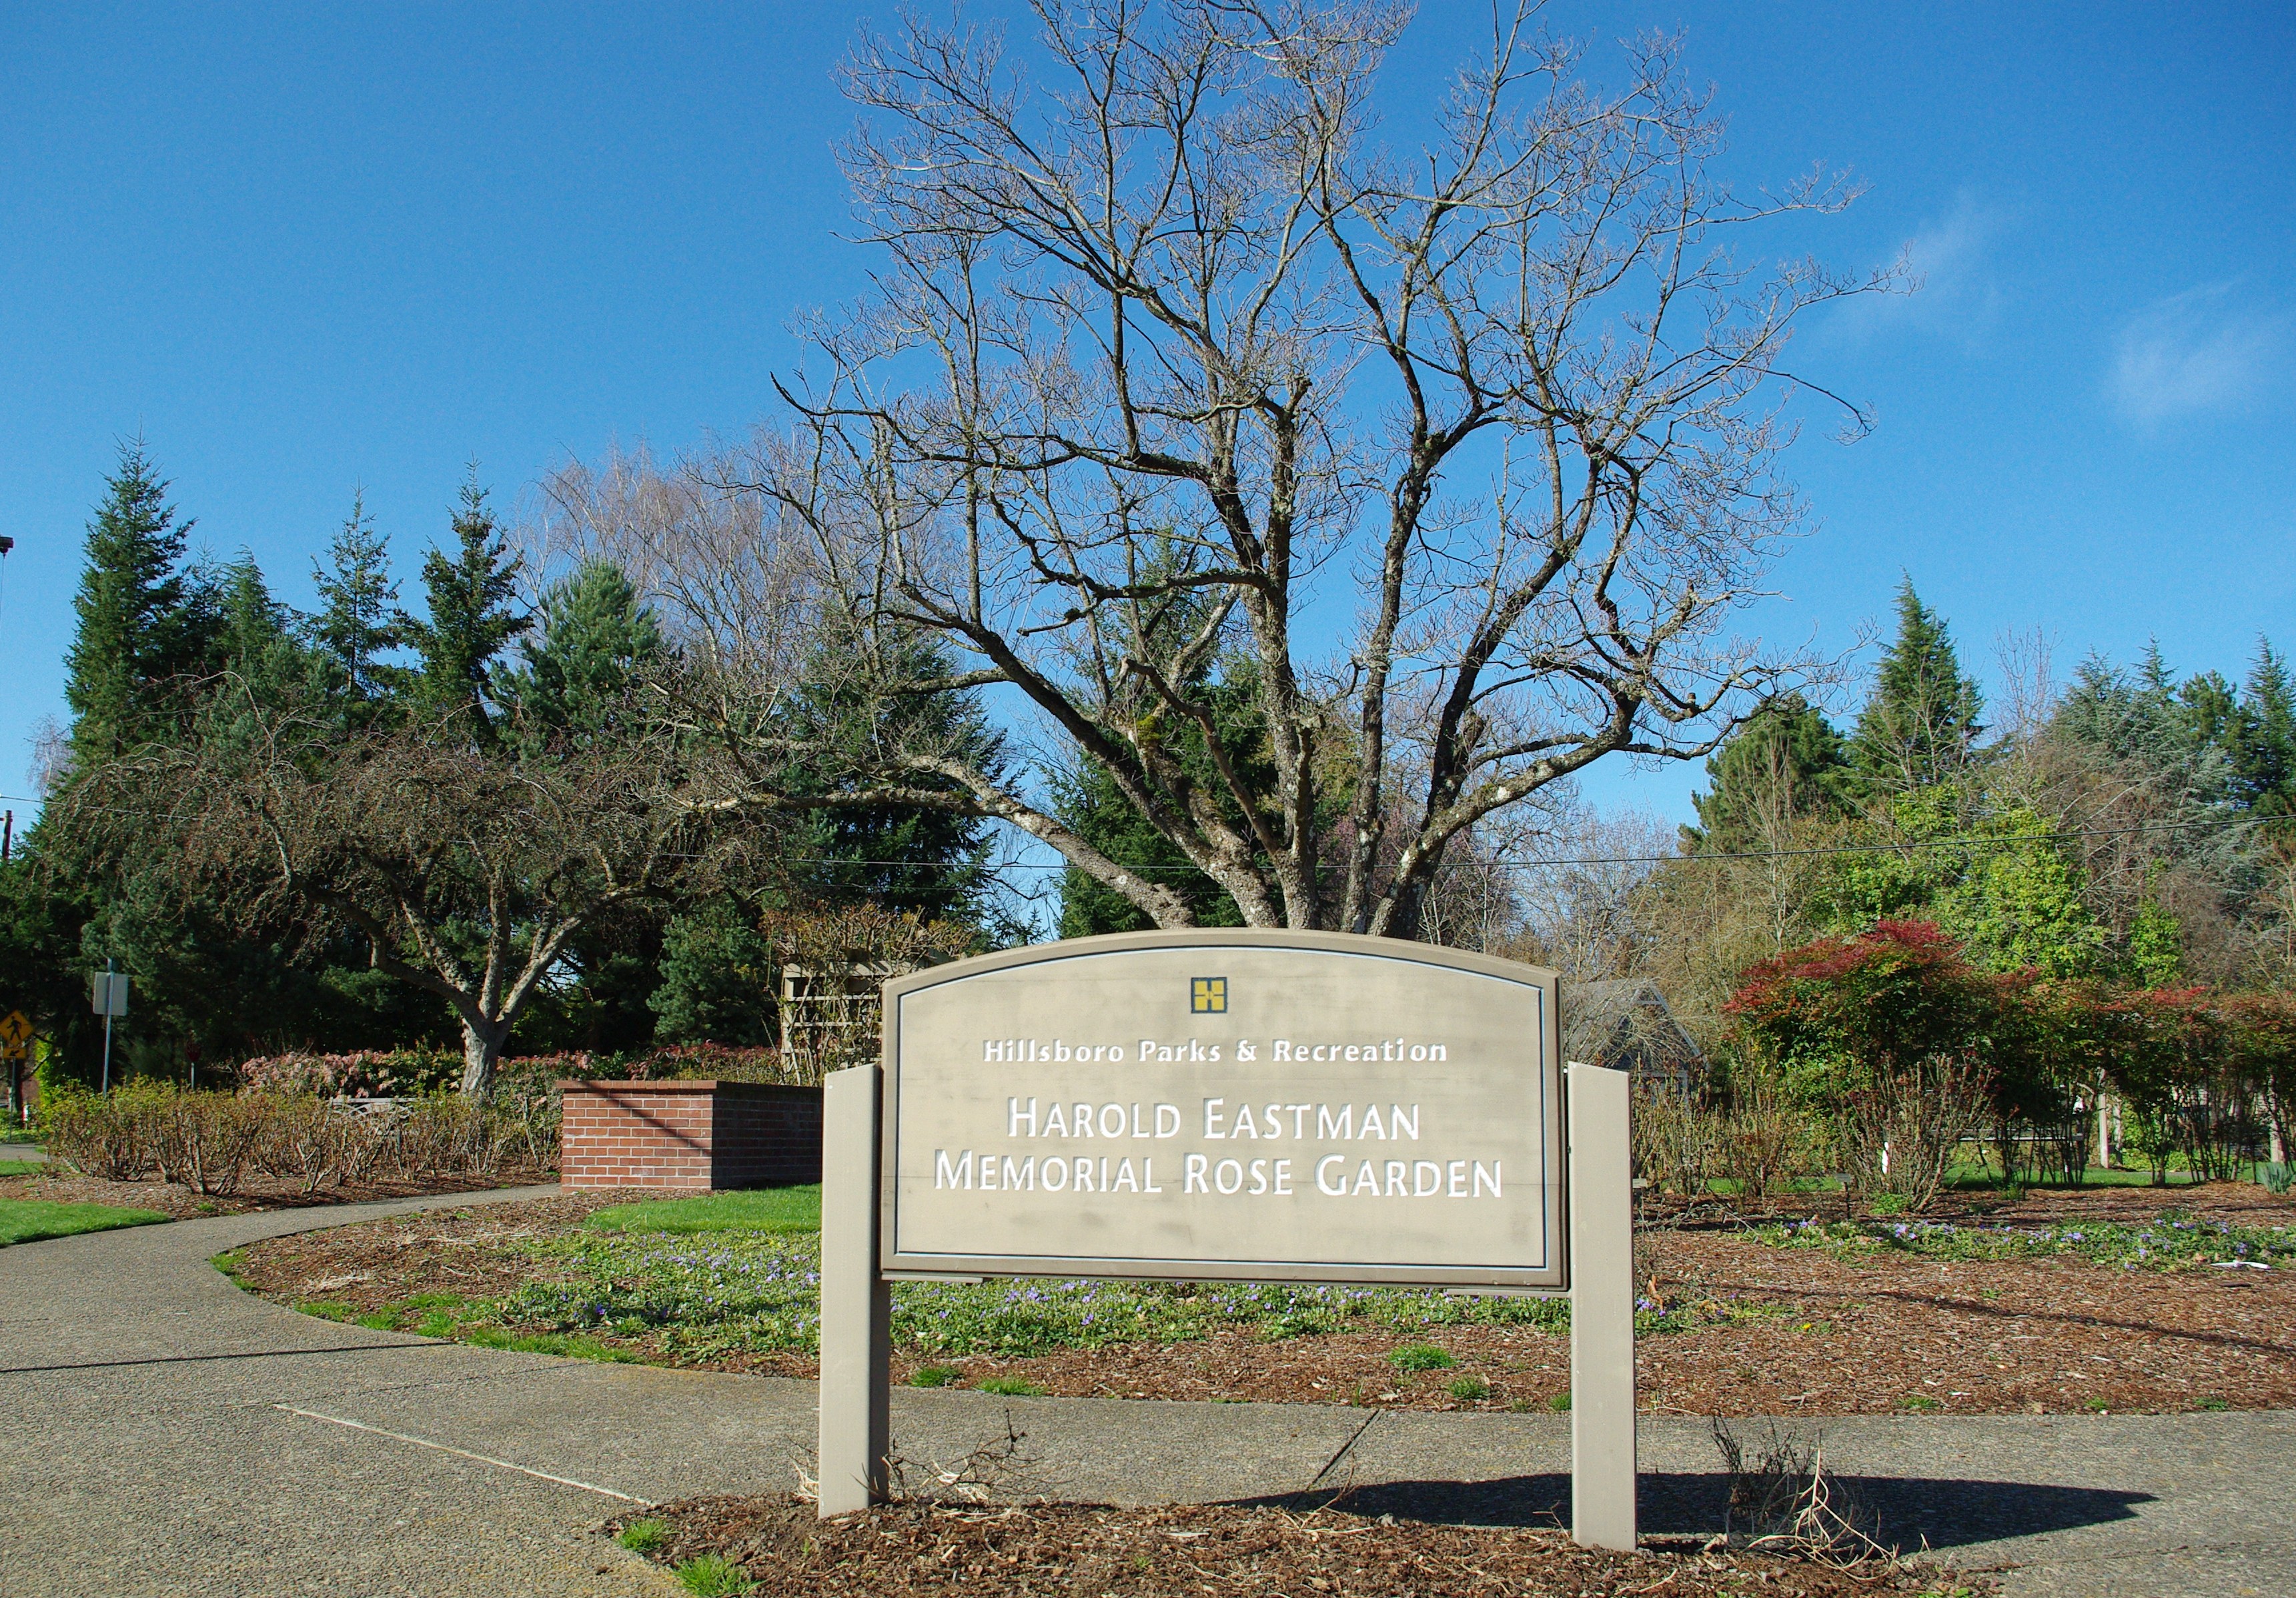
162 1433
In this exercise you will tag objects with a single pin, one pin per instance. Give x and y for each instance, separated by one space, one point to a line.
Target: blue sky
307 250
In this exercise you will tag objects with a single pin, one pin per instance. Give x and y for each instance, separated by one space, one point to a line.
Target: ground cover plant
2040 1304
24 1220
772 1546
2176 1241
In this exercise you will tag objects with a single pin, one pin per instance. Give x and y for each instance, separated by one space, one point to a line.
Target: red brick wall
695 1136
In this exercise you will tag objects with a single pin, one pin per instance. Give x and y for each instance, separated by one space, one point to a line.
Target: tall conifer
470 621
2264 752
1918 726
352 629
135 633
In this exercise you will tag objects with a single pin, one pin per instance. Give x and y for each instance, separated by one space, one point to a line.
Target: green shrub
2279 1175
1421 1357
934 1375
1471 1389
1561 1402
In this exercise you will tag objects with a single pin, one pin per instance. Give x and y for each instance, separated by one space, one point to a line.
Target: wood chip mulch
63 1186
1080 1550
1793 1330
377 1264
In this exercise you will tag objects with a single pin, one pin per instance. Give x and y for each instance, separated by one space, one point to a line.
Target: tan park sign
1233 1105
1229 1105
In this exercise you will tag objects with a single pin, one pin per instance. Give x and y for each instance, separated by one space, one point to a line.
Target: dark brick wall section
695 1136
765 1135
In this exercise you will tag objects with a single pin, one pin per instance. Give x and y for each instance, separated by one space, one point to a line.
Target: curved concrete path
163 1433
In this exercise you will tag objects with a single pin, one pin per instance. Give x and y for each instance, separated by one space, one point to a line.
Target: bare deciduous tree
467 875
1176 380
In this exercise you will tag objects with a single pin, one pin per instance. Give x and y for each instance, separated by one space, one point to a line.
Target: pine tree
1921 720
1787 762
471 620
136 631
352 629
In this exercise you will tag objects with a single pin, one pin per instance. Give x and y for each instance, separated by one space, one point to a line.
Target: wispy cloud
2194 353
1957 291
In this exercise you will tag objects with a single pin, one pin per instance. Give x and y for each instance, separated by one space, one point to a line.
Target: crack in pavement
1334 1462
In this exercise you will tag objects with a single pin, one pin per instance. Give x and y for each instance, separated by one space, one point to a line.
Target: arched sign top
1226 1104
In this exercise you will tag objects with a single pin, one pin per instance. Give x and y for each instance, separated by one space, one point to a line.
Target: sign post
855 1301
15 1048
108 996
1603 1445
1223 1105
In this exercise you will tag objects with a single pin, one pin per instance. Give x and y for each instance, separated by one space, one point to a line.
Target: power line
1970 840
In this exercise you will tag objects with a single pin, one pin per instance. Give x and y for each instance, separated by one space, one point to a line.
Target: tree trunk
483 1046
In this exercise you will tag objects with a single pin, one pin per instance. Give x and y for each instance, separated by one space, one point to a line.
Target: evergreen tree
1088 802
718 978
251 635
1785 763
931 862
1919 725
471 620
595 636
137 633
2264 745
352 630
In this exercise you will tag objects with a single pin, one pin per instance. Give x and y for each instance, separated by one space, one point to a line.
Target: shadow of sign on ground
1906 1512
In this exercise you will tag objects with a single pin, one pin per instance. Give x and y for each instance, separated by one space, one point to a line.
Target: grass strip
781 1211
27 1220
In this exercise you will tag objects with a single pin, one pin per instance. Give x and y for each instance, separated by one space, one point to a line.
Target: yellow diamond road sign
15 1032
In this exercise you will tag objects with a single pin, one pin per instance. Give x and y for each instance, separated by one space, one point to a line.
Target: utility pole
107 1024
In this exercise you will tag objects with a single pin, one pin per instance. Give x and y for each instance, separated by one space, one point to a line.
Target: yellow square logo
1208 995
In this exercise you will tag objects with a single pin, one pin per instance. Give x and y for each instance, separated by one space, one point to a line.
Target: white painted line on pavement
484 1459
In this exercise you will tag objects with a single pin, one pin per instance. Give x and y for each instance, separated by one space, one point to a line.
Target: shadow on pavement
1905 1512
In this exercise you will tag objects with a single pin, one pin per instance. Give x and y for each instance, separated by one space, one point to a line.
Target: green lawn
22 1220
10 1134
785 1210
21 1168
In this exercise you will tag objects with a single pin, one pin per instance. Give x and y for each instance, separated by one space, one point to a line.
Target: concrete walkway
161 1432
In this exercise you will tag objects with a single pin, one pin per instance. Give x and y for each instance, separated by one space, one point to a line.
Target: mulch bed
1802 1332
377 1264
1078 1550
64 1186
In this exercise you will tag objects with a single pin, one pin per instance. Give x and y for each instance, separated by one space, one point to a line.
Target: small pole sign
1230 1105
108 996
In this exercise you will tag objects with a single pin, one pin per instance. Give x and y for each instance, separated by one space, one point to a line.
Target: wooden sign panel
1225 1105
